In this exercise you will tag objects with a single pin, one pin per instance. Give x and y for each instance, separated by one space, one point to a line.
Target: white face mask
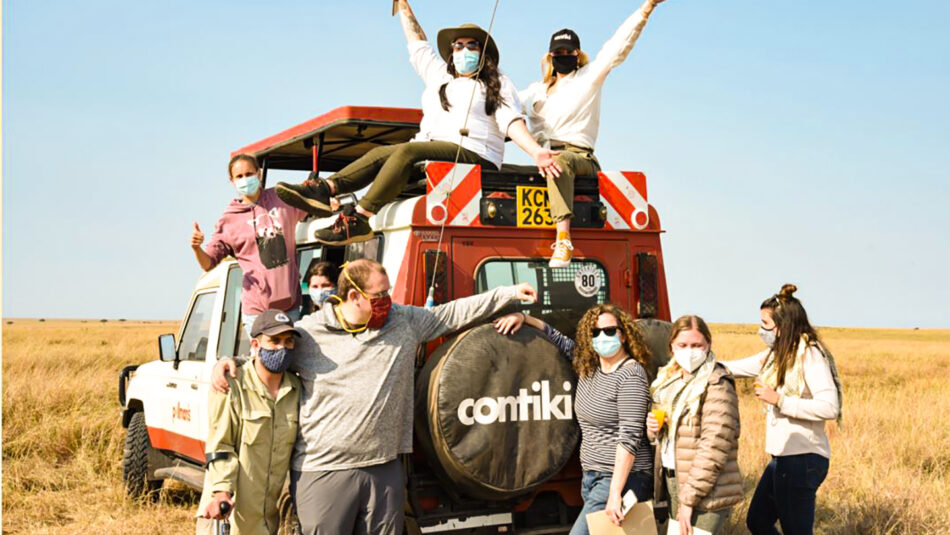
690 358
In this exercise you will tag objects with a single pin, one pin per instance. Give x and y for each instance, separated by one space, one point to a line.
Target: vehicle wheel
136 472
656 336
289 524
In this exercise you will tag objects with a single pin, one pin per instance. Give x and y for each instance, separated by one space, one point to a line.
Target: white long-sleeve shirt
571 113
797 424
486 132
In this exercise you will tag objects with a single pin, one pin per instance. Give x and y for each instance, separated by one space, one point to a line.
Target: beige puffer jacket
707 449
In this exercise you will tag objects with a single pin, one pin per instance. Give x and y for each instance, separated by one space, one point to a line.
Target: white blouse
486 133
571 113
797 425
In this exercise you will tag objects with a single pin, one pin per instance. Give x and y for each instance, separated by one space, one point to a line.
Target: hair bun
787 290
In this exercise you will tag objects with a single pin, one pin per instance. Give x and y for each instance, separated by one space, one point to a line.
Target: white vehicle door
183 430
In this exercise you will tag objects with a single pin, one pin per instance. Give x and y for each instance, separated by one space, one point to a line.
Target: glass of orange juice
659 414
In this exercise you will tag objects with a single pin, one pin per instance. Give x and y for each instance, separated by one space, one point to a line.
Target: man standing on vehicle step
355 359
251 432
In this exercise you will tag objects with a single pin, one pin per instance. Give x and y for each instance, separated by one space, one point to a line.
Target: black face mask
564 64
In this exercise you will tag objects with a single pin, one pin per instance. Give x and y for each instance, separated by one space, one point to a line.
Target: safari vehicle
496 441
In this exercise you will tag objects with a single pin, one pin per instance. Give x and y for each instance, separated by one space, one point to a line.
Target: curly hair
586 360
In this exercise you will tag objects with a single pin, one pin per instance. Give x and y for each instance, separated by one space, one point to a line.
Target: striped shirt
611 409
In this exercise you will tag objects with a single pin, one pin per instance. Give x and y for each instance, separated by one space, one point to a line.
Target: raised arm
204 260
618 47
215 251
410 26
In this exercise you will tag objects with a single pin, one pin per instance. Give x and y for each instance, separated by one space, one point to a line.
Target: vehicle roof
215 277
347 133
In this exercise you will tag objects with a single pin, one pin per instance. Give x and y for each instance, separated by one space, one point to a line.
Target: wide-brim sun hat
447 36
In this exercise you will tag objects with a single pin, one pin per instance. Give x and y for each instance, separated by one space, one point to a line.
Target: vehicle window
306 258
366 249
231 329
564 294
194 341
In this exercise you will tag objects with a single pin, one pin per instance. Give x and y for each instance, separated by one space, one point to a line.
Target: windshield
564 294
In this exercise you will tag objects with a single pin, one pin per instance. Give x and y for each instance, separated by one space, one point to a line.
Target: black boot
311 195
350 227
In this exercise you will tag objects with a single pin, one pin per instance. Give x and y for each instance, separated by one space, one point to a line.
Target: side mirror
166 348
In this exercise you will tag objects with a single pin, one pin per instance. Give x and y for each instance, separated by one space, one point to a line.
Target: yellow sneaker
562 254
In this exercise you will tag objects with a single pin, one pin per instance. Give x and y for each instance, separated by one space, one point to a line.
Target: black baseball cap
271 322
565 38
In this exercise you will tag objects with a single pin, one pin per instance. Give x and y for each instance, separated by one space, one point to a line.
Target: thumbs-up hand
197 237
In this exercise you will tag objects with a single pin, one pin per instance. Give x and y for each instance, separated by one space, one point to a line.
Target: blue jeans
595 489
786 493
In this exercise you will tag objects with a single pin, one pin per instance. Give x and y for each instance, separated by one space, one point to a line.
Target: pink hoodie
236 234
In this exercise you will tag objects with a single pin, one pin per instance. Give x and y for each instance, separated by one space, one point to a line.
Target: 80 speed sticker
587 281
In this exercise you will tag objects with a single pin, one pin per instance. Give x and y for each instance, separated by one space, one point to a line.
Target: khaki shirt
250 440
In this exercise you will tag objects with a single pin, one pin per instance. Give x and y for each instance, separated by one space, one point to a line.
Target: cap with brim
271 322
564 38
447 36
280 329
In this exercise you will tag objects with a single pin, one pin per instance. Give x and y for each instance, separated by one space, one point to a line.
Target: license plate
533 207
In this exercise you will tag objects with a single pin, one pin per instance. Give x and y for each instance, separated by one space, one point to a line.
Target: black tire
289 523
496 458
136 472
656 336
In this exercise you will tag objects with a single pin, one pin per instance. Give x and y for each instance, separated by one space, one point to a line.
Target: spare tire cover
656 336
497 411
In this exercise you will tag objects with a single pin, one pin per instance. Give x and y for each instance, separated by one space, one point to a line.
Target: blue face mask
606 346
319 295
276 360
248 185
466 61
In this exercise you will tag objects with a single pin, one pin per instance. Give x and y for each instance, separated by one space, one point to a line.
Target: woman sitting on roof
468 65
563 112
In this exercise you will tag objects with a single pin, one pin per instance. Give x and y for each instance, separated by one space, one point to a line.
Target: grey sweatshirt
356 405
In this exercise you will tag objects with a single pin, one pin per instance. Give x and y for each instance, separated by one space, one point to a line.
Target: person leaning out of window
321 284
259 231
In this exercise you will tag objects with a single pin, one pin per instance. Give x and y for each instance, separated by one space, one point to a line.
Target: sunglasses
609 331
471 45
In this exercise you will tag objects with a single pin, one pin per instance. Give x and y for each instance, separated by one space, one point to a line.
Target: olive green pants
388 167
574 161
710 521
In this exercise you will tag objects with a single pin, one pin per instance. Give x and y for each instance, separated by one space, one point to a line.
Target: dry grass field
62 440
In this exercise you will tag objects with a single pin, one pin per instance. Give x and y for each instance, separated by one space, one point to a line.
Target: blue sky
797 141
